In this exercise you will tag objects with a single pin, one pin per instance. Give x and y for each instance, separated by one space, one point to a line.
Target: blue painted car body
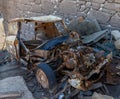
49 45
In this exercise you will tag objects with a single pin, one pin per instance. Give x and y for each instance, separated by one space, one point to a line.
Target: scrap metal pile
79 59
80 66
75 65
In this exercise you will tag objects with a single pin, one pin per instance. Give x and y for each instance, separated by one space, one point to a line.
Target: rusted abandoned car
56 56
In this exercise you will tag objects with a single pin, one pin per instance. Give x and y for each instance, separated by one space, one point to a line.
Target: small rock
117 44
115 34
100 96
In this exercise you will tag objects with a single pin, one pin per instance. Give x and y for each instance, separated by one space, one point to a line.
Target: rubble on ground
99 96
14 87
80 63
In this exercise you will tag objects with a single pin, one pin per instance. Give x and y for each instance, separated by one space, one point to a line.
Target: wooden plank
12 94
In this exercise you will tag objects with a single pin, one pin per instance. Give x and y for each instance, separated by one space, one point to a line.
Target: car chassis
62 55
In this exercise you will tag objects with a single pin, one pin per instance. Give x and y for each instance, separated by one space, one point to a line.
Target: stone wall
105 11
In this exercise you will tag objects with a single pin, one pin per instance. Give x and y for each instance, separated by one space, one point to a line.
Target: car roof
45 19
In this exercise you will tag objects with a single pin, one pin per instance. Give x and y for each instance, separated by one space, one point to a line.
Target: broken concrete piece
116 34
84 27
100 96
94 37
17 83
117 44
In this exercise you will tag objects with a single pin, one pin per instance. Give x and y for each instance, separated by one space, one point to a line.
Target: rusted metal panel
48 29
77 67
48 18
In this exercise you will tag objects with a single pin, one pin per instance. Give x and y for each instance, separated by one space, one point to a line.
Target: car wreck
60 59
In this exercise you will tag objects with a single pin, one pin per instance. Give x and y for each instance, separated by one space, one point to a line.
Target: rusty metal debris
63 60
83 64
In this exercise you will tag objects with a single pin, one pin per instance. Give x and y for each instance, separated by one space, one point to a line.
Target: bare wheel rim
42 78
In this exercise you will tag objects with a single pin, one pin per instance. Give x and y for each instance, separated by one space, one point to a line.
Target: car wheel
45 76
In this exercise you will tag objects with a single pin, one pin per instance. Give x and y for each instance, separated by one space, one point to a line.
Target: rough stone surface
36 8
15 84
37 1
117 1
108 11
96 6
102 17
99 1
47 6
100 96
112 6
115 19
111 0
68 9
